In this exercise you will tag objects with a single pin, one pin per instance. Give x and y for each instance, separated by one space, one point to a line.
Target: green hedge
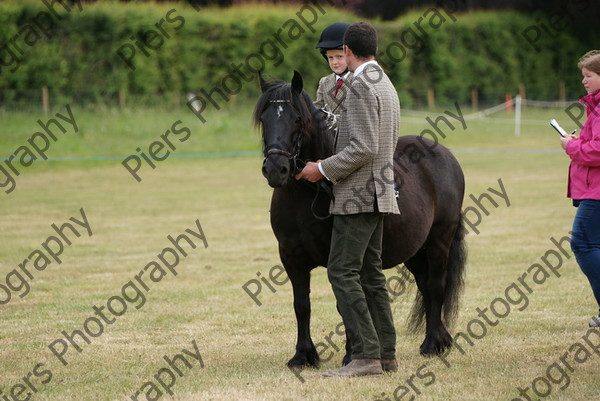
430 48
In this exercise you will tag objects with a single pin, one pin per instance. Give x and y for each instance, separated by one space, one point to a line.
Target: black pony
427 236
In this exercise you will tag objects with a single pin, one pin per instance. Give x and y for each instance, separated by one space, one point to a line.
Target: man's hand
310 172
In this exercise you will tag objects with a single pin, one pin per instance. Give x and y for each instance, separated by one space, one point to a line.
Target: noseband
297 163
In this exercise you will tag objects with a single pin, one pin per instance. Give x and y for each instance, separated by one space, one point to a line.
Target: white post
517 115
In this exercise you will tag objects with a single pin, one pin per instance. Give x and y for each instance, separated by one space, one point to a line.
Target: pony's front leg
306 353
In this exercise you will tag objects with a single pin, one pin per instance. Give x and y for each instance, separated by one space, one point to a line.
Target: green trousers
359 285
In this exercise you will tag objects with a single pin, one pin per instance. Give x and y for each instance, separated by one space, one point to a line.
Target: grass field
203 308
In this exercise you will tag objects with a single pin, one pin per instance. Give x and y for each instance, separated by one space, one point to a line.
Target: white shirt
342 77
361 67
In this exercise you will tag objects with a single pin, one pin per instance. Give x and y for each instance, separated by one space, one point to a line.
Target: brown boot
389 365
357 367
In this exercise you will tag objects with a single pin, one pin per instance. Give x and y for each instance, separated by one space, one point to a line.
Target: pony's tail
454 285
455 278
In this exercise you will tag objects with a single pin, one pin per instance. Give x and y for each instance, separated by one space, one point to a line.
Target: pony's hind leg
418 266
437 250
429 268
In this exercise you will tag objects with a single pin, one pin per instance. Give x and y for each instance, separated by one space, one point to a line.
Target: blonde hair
590 61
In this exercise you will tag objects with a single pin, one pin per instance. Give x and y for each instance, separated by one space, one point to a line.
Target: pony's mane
315 132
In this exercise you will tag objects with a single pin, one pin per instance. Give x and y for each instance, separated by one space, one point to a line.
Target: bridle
297 163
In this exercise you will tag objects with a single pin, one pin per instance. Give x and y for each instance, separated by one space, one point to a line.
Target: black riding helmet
332 37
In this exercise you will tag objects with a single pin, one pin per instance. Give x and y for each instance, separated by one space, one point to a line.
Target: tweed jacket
362 167
325 91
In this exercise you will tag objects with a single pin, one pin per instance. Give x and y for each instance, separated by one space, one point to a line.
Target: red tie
340 81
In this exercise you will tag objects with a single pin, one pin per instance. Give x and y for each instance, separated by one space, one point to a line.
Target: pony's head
286 115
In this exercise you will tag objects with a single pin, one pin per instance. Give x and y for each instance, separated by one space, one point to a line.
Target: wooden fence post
562 91
430 98
122 99
474 99
45 100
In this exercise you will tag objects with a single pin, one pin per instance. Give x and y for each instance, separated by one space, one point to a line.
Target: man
362 174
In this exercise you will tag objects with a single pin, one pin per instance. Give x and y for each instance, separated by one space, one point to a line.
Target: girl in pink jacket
584 178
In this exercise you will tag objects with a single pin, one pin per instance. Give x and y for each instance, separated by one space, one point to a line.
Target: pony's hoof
434 348
430 350
304 361
436 342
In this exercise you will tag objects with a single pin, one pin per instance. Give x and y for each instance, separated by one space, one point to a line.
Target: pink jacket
584 171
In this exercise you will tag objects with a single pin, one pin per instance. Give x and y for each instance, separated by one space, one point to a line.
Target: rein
321 185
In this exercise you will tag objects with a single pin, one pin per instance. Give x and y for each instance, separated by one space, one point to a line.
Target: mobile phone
558 128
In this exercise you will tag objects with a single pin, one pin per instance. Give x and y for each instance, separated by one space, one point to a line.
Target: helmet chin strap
344 72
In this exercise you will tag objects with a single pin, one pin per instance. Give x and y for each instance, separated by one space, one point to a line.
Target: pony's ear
297 82
263 83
